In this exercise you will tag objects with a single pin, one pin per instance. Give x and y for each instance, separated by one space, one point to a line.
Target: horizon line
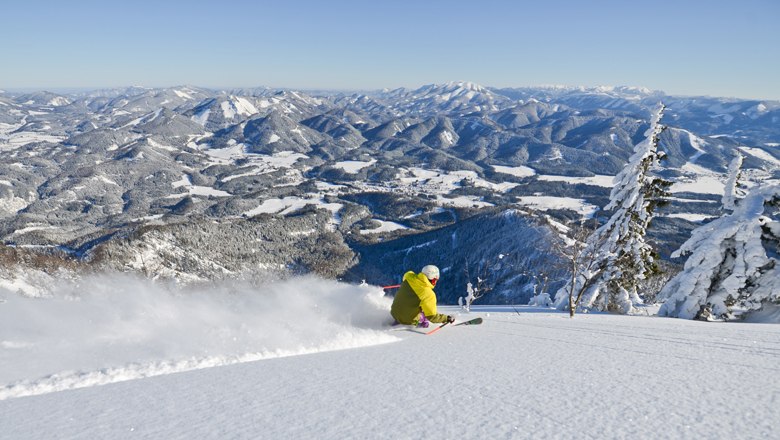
81 89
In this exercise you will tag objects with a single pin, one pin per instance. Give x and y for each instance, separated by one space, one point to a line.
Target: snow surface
196 190
462 202
353 166
11 204
282 159
291 204
224 361
203 117
12 141
237 105
699 185
545 203
384 226
698 179
413 181
145 118
695 218
443 182
262 163
34 227
520 171
697 144
761 154
182 94
596 180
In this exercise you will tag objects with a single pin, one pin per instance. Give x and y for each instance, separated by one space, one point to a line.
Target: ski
416 329
474 321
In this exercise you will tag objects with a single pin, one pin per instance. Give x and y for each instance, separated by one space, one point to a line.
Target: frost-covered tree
578 258
617 253
541 296
734 188
733 265
465 301
482 286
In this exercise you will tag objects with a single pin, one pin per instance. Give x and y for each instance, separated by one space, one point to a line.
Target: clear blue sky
684 47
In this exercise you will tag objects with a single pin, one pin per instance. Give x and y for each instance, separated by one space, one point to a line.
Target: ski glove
423 322
450 319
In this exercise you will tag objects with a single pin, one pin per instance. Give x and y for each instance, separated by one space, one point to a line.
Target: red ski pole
436 329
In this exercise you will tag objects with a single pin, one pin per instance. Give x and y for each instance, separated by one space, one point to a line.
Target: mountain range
196 184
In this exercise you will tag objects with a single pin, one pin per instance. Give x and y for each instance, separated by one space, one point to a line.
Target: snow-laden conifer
616 253
733 266
734 189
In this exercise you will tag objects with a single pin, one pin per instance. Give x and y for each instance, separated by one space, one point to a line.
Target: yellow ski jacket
415 295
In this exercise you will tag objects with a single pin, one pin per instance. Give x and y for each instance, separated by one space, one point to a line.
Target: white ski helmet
431 271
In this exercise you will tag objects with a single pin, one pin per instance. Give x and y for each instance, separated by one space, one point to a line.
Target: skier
415 301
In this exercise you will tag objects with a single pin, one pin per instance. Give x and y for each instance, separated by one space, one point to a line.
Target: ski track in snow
70 380
525 373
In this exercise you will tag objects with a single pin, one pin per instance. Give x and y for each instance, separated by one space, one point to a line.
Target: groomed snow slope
529 373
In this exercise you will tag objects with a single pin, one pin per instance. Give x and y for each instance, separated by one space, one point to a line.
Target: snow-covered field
291 204
12 141
384 226
545 203
308 358
353 166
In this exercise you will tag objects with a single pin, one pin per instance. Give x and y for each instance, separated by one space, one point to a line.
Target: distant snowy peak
188 93
43 99
178 93
216 113
442 136
371 107
253 91
220 112
293 103
137 101
465 85
167 123
278 132
452 97
621 98
236 105
340 125
58 101
7 102
456 91
267 134
627 91
610 90
522 115
762 109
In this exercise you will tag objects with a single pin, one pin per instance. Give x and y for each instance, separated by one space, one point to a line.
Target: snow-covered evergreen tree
617 252
733 265
734 189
